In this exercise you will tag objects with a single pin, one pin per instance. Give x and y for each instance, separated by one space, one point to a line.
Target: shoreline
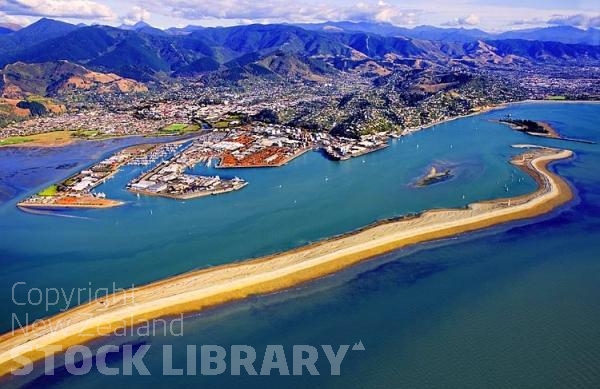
108 204
214 286
479 110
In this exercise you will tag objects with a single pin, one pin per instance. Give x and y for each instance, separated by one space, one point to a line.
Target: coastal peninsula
201 289
77 190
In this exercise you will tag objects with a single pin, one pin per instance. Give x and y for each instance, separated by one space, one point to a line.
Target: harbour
451 295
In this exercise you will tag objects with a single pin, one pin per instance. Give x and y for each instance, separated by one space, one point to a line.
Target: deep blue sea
514 306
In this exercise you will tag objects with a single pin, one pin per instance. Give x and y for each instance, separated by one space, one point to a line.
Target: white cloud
527 22
469 20
79 9
283 10
13 19
137 14
577 20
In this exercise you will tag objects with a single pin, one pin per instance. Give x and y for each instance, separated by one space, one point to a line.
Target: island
434 177
209 287
531 127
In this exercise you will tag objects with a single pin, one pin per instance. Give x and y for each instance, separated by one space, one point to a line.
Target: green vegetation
556 98
70 181
230 120
377 127
14 140
6 109
221 124
526 125
179 129
37 99
52 190
85 134
235 116
35 108
176 127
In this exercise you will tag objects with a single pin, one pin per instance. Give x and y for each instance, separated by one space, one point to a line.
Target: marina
77 191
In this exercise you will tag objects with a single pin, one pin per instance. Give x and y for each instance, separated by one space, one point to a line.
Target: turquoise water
515 306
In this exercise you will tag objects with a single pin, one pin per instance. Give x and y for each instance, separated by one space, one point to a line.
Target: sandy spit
200 289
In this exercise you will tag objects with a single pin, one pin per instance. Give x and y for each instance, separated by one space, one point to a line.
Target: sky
490 15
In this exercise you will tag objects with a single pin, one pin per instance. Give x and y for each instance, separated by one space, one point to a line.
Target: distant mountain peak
135 27
144 27
49 22
141 24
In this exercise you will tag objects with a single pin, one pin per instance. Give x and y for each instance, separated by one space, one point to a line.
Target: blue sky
491 15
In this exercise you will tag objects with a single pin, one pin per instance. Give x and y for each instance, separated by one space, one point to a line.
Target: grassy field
54 138
556 98
52 190
179 129
85 134
221 124
14 140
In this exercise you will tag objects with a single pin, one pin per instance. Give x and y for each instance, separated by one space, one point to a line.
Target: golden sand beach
200 289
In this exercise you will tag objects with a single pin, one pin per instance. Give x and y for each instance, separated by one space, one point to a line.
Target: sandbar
205 288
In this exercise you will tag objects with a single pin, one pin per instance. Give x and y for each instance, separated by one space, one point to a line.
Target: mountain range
144 53
561 34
